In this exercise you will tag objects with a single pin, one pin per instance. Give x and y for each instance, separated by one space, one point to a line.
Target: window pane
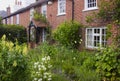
91 3
89 37
96 41
44 10
104 40
61 6
97 31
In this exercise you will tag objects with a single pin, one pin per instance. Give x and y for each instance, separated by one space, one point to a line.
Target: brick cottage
58 11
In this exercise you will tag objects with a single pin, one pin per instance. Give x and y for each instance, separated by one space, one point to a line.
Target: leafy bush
67 64
13 33
13 61
40 17
59 77
84 74
68 34
108 64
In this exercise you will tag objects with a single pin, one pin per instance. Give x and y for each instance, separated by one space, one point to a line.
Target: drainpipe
73 3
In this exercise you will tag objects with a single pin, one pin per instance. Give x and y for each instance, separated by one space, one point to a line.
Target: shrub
67 64
13 33
13 61
40 17
85 74
68 34
108 64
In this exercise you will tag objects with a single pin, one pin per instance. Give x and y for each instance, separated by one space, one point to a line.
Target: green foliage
0 20
84 74
109 33
59 77
40 17
68 34
106 9
109 10
67 63
89 19
13 33
108 64
117 10
13 61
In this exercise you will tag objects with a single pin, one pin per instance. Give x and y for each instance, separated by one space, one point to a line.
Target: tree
0 20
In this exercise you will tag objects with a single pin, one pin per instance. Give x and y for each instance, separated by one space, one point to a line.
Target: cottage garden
61 61
58 61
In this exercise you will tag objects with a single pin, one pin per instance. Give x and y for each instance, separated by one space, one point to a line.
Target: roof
27 8
3 13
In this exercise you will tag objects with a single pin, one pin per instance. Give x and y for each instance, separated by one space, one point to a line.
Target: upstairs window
31 13
44 10
90 4
61 7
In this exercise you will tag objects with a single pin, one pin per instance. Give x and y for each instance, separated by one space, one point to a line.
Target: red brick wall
24 18
14 19
52 14
80 14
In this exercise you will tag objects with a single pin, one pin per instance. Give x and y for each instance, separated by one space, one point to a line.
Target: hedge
13 33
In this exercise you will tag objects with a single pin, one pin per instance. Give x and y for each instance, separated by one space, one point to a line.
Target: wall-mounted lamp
50 2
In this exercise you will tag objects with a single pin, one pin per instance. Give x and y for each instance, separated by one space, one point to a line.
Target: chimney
8 10
15 2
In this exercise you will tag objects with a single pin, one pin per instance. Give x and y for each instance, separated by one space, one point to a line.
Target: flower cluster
42 70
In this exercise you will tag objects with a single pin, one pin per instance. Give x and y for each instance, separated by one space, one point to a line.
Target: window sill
61 14
89 9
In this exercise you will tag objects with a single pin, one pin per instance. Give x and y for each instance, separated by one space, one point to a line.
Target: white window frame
31 13
17 19
93 35
86 8
44 10
11 20
59 6
7 20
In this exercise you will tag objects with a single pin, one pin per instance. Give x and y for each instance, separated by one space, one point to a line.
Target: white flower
37 63
39 69
49 66
49 79
44 68
48 58
45 76
75 42
37 72
40 79
74 58
39 66
50 76
46 73
35 79
43 59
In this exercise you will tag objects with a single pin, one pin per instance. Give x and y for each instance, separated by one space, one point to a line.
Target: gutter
73 9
